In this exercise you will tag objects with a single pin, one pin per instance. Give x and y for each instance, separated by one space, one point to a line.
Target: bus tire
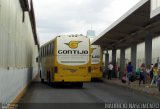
80 84
40 75
49 79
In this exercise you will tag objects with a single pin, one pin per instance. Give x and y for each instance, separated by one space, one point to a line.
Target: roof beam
119 33
141 14
128 38
132 25
144 29
112 40
24 5
33 23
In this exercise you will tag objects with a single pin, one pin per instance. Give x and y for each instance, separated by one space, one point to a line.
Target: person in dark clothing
151 72
129 72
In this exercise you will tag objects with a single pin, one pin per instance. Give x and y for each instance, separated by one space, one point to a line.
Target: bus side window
42 52
45 50
52 48
49 49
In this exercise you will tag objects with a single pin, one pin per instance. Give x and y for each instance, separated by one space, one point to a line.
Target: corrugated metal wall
16 38
18 51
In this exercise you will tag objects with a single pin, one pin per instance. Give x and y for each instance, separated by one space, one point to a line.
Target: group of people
112 70
149 74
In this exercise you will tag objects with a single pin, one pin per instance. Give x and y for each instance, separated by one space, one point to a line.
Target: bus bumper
71 78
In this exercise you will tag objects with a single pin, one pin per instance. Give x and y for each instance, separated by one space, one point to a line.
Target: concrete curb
133 89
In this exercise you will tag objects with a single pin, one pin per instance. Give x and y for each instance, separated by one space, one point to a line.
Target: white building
91 34
18 48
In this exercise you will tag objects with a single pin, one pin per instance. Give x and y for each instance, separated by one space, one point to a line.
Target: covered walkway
132 28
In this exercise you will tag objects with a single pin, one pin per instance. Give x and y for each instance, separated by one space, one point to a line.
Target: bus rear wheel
80 84
49 79
40 75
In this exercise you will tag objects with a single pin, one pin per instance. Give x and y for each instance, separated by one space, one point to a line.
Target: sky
65 17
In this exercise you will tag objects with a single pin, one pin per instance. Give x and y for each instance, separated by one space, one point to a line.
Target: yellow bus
96 61
66 59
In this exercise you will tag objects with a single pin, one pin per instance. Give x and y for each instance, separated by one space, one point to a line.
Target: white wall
155 4
155 8
155 49
140 54
17 50
141 51
118 54
127 55
110 55
12 82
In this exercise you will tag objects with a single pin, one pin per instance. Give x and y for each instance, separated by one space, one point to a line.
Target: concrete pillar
134 55
148 49
106 59
114 56
122 60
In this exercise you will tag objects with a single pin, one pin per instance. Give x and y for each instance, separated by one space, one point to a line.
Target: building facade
18 48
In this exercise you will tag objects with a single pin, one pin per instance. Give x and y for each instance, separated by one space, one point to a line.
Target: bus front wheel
40 75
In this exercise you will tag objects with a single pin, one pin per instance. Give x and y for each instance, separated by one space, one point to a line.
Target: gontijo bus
96 61
66 59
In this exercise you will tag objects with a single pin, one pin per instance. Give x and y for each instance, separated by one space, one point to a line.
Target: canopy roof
132 27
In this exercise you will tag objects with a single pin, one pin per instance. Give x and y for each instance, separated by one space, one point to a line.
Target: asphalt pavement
94 95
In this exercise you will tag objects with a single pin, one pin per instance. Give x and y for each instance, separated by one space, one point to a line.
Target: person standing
110 67
158 77
142 74
151 73
129 72
148 70
155 74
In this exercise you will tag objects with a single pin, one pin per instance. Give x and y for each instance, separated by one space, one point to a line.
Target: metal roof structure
25 7
131 28
33 23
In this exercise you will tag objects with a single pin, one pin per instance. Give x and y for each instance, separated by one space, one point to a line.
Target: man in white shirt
110 67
